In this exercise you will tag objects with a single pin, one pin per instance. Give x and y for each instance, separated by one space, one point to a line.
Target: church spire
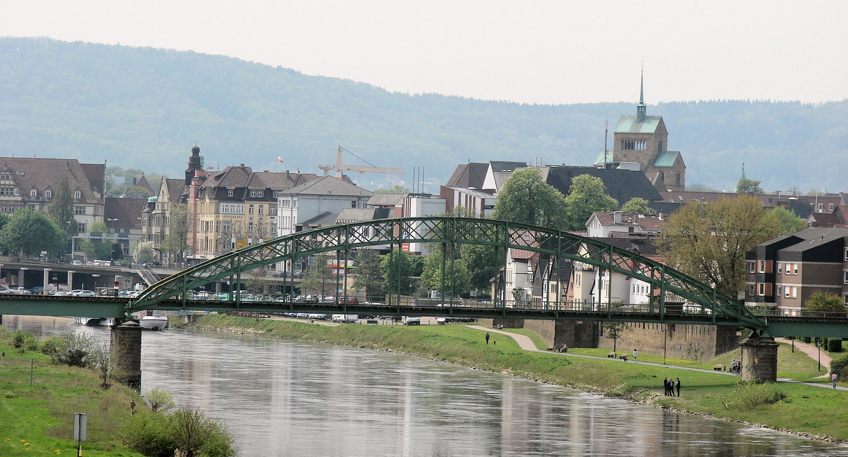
641 109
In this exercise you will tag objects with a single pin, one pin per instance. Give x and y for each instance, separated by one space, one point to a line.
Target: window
750 267
846 254
257 193
779 268
33 193
779 291
48 193
77 194
762 266
790 292
7 191
272 211
79 210
751 289
81 228
250 209
794 268
229 192
353 204
761 289
845 277
845 299
260 208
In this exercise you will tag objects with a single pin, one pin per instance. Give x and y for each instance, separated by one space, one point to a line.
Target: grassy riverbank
784 406
36 418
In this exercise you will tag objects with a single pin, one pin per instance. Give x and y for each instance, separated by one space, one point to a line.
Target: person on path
487 338
635 353
833 378
665 386
678 387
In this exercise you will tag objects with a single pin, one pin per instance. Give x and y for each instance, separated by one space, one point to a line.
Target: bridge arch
454 231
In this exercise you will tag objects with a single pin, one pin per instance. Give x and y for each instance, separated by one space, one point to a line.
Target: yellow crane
340 167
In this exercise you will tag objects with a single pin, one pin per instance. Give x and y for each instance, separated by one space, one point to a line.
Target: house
617 223
783 273
299 205
123 219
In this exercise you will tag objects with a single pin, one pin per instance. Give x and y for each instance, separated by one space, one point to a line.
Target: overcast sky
551 52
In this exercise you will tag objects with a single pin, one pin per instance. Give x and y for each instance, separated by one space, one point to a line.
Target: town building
32 183
783 273
322 198
642 139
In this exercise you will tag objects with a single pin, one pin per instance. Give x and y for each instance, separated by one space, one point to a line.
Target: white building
309 200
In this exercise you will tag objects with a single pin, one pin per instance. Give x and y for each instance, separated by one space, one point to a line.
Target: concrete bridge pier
759 359
126 353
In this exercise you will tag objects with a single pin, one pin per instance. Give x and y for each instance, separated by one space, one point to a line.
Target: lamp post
819 345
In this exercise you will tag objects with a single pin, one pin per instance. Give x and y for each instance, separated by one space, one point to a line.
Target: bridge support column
126 353
759 359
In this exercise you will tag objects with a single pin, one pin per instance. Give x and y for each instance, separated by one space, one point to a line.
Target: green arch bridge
675 297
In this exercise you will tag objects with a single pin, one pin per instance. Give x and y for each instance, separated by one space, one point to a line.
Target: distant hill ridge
146 108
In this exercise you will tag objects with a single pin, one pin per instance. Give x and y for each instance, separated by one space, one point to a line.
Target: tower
195 162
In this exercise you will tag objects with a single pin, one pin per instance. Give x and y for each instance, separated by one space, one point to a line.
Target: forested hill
146 108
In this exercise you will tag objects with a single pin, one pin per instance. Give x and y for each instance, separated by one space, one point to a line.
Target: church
642 141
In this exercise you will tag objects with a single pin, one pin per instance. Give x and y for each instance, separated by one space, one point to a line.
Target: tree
398 271
177 240
483 263
788 222
159 400
526 198
96 250
61 207
697 187
636 205
255 285
129 191
748 186
143 252
708 241
396 189
456 278
30 232
820 302
318 276
369 275
585 197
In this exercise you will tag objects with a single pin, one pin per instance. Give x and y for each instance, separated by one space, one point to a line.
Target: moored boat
153 322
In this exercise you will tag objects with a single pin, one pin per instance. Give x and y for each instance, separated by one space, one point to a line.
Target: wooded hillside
146 108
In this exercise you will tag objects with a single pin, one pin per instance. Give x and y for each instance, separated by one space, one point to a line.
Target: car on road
82 293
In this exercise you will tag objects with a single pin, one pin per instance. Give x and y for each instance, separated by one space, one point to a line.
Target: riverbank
806 410
39 400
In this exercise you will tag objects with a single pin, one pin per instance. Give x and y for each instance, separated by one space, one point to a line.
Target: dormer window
48 193
33 193
77 194
229 192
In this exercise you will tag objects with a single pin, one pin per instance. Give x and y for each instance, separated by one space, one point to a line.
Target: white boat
153 322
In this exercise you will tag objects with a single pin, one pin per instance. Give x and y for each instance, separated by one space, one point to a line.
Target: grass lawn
36 419
783 406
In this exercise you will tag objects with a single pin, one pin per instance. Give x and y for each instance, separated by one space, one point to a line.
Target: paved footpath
525 343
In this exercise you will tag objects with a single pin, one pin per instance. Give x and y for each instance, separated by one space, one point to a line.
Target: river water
296 399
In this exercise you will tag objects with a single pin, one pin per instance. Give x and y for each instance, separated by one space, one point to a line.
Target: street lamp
819 345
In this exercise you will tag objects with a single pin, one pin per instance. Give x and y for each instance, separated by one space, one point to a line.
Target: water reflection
280 399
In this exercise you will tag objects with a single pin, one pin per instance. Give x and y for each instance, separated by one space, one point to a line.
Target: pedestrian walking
487 338
833 378
635 353
678 386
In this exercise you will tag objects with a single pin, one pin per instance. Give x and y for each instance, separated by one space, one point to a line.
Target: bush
186 429
806 339
24 341
159 400
834 345
840 367
748 396
75 350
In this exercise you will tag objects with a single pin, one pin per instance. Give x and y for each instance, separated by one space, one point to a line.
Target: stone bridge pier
126 353
759 359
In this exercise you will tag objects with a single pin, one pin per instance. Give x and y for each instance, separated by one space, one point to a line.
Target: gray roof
329 185
469 175
324 219
361 214
43 174
814 237
621 185
379 199
502 165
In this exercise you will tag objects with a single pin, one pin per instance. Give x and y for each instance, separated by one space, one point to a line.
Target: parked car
82 293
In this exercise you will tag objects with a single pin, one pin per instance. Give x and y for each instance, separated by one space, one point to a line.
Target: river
298 399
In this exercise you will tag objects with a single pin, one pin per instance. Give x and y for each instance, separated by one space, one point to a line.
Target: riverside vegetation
803 409
44 382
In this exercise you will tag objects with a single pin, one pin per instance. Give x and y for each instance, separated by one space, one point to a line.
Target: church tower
195 162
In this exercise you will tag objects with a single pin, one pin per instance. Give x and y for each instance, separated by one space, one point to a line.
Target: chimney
616 217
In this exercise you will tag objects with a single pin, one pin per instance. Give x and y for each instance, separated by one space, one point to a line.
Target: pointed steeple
743 172
641 109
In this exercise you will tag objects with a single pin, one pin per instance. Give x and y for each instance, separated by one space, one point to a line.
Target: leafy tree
788 222
396 189
526 198
748 186
369 275
456 273
143 252
820 302
636 205
483 263
176 242
159 400
318 276
4 219
255 285
697 187
585 197
96 250
99 226
398 271
30 232
708 241
61 207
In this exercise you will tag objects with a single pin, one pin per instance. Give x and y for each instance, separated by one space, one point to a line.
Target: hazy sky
532 51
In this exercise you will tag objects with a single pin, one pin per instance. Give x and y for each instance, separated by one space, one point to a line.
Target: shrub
840 367
75 350
806 339
834 345
24 341
749 396
49 345
186 430
159 400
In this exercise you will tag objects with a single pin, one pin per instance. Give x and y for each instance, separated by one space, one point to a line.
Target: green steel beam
62 306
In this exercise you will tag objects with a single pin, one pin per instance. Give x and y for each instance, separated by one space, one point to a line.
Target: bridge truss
703 304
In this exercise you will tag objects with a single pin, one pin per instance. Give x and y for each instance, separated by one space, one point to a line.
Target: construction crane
340 167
